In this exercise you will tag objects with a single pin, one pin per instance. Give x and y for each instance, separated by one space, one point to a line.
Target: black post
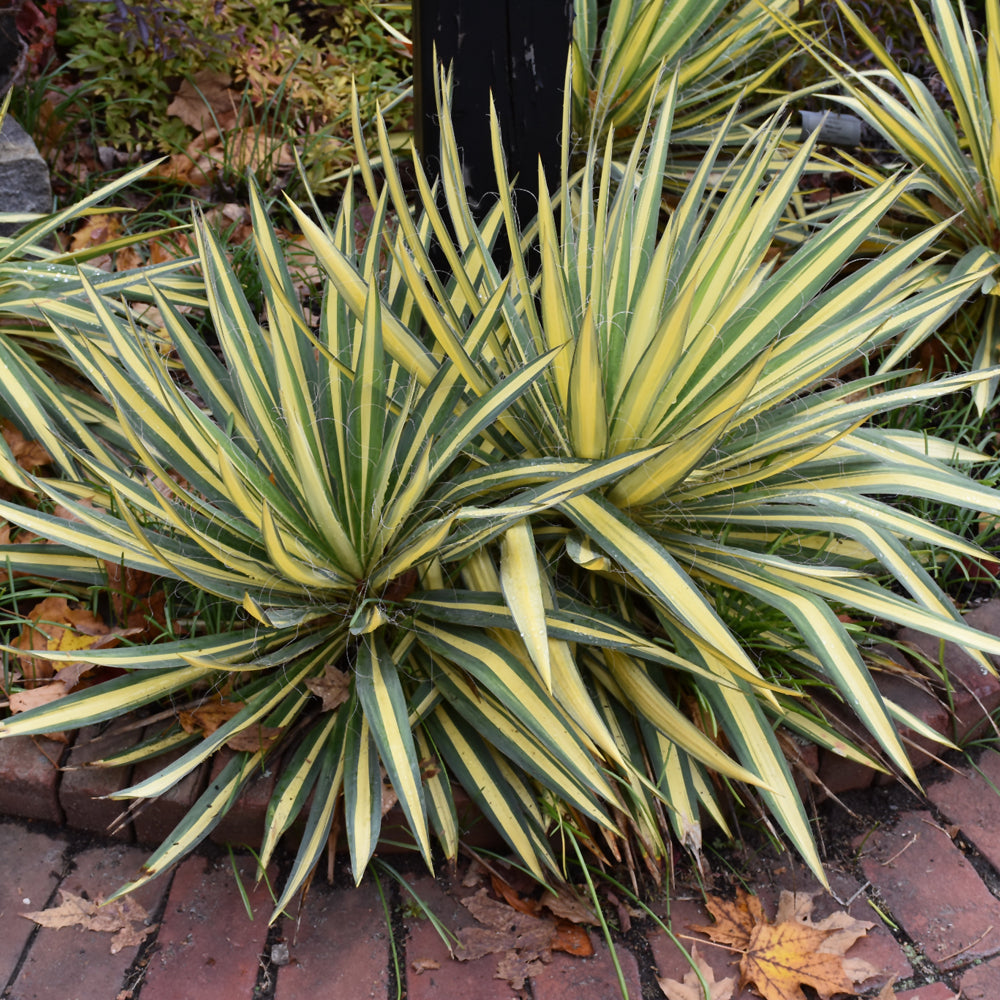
515 48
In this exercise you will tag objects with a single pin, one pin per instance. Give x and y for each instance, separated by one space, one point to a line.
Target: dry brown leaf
778 958
691 988
572 939
176 169
205 719
205 103
520 939
334 687
424 965
95 231
127 259
122 918
21 701
54 625
252 149
28 454
566 935
254 738
569 905
160 252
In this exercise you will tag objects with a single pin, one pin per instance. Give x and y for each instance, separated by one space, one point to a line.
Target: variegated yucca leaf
954 146
682 335
625 51
38 282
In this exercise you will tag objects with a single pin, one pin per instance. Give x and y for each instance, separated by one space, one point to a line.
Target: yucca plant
492 554
953 144
626 51
685 340
302 479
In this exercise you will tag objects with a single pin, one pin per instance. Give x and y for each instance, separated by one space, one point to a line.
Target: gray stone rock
24 176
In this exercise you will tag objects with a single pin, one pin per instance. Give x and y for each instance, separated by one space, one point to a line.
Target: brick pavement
928 877
925 879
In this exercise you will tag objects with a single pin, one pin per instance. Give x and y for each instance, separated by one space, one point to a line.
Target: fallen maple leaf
780 957
691 988
734 919
777 958
843 929
119 918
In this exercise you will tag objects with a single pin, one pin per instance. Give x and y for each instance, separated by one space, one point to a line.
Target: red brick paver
566 978
243 825
972 801
338 944
933 991
878 947
84 788
933 890
31 866
29 777
982 982
208 948
424 948
672 963
155 819
70 963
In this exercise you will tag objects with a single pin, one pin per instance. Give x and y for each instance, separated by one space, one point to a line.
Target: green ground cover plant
587 536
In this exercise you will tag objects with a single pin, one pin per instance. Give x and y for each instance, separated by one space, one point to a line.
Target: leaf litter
126 921
523 932
779 957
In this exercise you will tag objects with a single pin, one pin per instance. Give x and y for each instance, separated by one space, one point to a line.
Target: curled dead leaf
691 988
420 965
569 905
334 687
124 918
